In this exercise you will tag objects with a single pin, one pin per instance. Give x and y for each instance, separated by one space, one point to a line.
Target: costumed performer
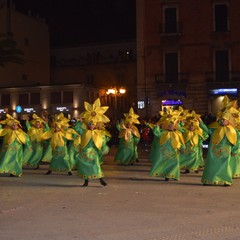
170 144
129 136
35 128
92 142
14 140
193 137
224 143
59 135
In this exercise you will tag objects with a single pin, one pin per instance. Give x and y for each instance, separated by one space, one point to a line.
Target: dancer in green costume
224 143
193 136
92 142
129 135
14 139
170 144
59 135
235 160
73 148
106 136
235 164
36 128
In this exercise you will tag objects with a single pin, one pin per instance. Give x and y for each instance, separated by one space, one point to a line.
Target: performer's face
57 129
191 127
14 126
38 124
170 127
224 122
91 126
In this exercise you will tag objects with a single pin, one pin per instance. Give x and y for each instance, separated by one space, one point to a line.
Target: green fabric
88 162
190 158
11 157
127 152
235 165
200 154
105 149
33 155
217 168
60 160
154 155
167 164
47 151
72 151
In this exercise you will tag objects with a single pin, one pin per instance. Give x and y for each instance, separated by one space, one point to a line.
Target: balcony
231 80
171 78
173 29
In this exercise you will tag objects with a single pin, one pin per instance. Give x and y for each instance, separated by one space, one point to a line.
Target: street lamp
115 92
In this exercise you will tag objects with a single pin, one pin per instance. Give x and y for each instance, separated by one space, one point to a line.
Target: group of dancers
80 147
177 144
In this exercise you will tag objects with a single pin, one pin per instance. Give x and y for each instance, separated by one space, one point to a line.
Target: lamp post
115 92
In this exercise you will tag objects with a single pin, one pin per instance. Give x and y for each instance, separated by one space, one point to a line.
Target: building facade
78 73
32 37
188 53
100 66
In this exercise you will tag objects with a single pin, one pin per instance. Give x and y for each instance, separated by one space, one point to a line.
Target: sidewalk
133 206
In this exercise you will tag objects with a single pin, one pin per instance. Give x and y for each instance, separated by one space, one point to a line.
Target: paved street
133 206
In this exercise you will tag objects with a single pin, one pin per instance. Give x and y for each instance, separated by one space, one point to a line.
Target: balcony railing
171 79
233 76
171 29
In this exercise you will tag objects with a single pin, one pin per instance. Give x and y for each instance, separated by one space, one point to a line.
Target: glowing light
171 102
223 91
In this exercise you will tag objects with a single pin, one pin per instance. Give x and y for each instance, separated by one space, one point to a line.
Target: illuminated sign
171 102
29 110
62 109
18 109
223 91
141 104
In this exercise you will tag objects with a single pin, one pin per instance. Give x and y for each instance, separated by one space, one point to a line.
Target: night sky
84 21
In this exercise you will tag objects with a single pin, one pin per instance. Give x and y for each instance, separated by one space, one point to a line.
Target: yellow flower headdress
226 105
61 121
131 117
169 116
10 121
36 119
94 112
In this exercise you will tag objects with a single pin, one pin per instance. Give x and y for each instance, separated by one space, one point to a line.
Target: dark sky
85 21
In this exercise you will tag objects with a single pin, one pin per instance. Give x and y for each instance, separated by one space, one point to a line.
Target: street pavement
133 206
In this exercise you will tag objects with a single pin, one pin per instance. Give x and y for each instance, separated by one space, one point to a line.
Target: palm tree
9 52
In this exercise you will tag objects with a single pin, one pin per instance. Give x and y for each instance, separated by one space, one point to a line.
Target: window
23 99
35 98
26 41
68 97
56 98
171 67
5 99
222 65
24 77
170 20
221 18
